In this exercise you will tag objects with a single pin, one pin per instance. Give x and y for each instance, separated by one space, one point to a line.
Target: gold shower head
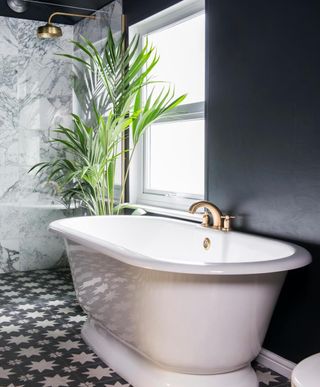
49 30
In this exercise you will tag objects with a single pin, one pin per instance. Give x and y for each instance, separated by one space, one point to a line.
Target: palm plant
109 85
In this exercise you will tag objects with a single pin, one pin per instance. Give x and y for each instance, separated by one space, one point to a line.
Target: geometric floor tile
40 342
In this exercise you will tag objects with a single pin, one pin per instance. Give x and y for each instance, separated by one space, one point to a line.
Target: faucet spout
213 210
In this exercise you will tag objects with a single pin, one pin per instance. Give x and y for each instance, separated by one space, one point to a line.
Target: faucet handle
227 222
205 220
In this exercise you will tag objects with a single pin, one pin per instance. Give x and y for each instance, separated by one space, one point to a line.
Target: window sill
169 212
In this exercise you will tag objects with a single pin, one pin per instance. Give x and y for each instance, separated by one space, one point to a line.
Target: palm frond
108 84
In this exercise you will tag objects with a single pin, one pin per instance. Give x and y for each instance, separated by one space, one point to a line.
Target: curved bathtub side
201 324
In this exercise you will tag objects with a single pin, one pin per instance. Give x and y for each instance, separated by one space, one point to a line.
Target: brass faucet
216 215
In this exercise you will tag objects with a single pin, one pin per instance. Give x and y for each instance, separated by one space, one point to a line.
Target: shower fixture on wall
18 6
51 31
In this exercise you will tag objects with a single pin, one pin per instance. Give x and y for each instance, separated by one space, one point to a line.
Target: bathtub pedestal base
141 372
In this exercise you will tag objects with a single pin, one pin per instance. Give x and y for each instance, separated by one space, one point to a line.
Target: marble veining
35 97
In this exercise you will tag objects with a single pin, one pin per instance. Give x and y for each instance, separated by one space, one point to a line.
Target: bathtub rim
301 257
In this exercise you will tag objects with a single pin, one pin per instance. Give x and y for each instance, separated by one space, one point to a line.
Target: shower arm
69 14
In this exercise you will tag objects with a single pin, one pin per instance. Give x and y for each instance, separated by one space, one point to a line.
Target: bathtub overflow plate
206 243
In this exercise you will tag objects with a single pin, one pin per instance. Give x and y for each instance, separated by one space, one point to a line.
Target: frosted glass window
176 157
181 48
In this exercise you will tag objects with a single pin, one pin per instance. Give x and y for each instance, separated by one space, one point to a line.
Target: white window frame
138 194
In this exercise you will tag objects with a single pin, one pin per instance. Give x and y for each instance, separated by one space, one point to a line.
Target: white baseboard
276 363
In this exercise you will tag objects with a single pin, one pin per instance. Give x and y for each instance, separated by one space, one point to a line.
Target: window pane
176 157
181 48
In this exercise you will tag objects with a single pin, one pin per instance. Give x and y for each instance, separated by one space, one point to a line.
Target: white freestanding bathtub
166 312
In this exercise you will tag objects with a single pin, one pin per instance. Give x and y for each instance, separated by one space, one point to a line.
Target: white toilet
307 372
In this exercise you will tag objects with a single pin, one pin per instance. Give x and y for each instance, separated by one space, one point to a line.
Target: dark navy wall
263 139
137 10
263 144
38 11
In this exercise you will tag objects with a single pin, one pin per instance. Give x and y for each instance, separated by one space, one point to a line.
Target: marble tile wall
35 97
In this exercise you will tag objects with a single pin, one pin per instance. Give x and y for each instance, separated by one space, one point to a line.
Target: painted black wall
38 11
137 10
263 139
263 144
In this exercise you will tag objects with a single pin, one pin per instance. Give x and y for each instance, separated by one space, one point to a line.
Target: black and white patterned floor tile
40 342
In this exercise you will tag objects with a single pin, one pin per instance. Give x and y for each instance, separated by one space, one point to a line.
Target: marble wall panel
9 255
8 177
43 77
46 252
9 37
9 216
35 97
42 49
9 111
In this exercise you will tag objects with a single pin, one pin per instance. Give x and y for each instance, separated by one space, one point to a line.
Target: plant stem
123 183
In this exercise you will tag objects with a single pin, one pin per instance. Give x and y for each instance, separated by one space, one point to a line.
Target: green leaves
91 154
110 84
153 109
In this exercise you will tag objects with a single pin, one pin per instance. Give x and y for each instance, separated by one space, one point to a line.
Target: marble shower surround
35 97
